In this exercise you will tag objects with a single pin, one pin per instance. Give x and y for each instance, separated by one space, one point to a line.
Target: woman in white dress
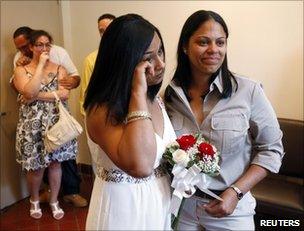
126 118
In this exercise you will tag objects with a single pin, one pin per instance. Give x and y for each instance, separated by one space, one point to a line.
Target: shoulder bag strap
57 101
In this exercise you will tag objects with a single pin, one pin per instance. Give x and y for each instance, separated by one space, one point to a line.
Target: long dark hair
121 48
182 75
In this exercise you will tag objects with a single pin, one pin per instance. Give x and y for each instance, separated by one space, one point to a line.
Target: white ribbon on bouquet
184 182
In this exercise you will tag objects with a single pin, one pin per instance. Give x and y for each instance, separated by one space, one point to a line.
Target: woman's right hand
44 57
139 84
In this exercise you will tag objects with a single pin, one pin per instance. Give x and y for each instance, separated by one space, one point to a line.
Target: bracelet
134 114
138 118
138 115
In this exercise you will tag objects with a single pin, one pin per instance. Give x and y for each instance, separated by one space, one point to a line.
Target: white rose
173 144
180 157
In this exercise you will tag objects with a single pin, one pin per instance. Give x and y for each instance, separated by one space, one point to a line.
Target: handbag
66 129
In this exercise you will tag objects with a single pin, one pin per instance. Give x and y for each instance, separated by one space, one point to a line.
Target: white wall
265 42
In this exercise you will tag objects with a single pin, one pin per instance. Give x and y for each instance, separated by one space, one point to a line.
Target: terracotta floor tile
29 227
81 218
27 221
69 225
82 214
82 224
16 216
7 225
49 227
69 215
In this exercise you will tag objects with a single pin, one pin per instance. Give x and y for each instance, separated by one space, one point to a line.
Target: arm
62 93
29 87
132 147
267 151
19 60
72 80
248 180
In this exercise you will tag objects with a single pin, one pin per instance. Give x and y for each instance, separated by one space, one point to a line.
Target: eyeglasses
40 46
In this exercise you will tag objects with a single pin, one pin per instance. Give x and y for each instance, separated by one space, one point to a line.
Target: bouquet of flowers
194 160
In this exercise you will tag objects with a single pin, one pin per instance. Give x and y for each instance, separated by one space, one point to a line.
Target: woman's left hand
216 208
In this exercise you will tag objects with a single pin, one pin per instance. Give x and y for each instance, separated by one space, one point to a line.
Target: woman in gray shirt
233 113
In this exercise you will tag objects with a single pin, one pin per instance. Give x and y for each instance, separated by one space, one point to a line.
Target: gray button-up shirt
243 127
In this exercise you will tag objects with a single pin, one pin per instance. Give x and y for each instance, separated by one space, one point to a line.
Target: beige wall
265 43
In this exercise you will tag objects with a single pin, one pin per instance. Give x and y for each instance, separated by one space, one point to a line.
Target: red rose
206 149
186 141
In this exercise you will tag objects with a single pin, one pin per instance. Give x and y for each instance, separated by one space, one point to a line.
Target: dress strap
27 72
58 70
160 102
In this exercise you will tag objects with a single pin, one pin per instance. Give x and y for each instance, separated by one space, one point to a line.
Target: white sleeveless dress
122 202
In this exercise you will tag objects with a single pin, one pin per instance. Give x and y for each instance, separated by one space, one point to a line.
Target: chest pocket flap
230 122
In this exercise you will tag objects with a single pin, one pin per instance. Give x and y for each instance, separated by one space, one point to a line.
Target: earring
185 50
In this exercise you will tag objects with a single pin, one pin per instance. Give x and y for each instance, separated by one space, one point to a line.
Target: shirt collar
217 82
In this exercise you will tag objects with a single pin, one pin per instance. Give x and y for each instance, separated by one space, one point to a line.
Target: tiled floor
16 216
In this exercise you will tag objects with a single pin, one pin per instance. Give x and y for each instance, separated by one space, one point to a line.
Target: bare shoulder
96 121
19 70
96 116
20 78
101 130
20 74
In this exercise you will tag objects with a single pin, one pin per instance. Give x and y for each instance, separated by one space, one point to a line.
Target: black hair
121 48
24 30
38 33
106 16
182 75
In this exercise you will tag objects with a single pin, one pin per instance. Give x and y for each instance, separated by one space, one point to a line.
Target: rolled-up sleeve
265 131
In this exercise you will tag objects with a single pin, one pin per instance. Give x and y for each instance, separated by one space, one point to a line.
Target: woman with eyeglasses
35 82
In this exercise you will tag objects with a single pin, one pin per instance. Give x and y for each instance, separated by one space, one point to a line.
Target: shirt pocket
229 132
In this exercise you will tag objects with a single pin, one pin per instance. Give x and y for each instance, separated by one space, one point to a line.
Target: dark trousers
70 181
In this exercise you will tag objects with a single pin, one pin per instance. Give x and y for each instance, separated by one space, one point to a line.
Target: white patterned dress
122 202
33 121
